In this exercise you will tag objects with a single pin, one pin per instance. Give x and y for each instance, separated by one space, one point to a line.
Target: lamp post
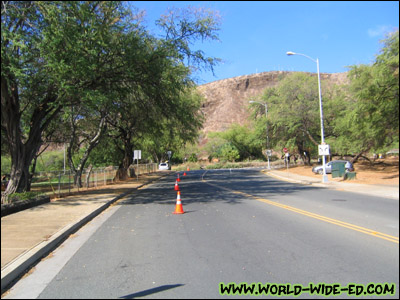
266 114
324 176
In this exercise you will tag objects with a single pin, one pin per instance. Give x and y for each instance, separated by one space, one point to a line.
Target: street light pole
266 115
324 176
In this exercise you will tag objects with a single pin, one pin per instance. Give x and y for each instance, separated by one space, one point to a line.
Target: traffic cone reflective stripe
178 207
176 186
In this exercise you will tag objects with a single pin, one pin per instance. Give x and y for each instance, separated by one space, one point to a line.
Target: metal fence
59 183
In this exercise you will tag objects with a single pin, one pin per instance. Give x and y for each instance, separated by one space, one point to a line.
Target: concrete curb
306 182
15 269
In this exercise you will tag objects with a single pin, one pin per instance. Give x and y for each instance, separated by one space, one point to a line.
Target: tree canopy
373 107
359 117
88 66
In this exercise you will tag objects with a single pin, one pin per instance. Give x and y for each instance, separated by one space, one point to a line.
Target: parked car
319 169
164 166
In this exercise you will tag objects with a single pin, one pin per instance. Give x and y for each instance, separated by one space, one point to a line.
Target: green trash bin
338 169
350 175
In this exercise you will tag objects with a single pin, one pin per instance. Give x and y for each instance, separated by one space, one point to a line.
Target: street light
266 113
324 176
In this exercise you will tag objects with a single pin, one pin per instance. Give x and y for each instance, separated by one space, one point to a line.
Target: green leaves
184 27
229 152
374 113
89 59
236 142
358 117
293 112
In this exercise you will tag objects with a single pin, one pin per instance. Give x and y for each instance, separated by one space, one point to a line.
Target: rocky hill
227 100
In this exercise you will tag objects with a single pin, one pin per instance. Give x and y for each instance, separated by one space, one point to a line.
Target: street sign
269 152
323 150
169 153
137 154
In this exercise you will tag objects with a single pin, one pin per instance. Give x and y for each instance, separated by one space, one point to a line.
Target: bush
23 196
229 152
193 158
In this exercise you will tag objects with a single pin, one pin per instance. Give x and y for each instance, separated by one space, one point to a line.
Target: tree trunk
360 154
78 179
23 148
304 154
77 171
122 173
22 155
89 171
19 175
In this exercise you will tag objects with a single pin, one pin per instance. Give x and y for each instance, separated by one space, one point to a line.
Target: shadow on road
194 190
152 291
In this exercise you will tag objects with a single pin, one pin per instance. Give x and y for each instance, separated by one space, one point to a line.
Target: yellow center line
371 232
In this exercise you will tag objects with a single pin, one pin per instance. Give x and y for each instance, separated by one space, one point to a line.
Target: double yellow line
374 233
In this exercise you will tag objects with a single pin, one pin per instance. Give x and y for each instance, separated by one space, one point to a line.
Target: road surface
239 226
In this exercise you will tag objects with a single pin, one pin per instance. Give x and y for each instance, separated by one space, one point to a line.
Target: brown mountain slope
227 100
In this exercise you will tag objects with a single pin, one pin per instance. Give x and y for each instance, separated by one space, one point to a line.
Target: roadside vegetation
88 75
361 117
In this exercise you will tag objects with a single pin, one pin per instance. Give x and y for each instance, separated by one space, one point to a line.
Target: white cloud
380 30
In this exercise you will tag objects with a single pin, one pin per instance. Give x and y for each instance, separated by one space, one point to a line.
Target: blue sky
255 36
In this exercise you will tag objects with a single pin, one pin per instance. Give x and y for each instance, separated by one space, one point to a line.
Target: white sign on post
323 150
137 154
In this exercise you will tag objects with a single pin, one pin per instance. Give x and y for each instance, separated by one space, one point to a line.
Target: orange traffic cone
178 207
176 186
188 168
184 173
178 179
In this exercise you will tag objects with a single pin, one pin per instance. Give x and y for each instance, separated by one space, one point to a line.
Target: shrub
23 196
193 157
229 152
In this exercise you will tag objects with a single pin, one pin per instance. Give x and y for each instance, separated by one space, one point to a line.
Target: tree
20 70
128 120
160 93
372 111
155 101
294 113
87 128
52 54
185 26
176 130
245 140
214 144
229 152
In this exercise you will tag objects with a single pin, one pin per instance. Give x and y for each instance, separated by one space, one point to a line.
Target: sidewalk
387 191
30 234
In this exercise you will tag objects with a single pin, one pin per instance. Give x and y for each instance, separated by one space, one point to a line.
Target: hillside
227 100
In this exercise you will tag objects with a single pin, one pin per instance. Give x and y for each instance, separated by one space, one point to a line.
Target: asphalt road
238 226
